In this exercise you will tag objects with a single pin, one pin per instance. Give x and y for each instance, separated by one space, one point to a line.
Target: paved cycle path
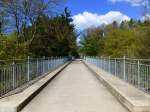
75 89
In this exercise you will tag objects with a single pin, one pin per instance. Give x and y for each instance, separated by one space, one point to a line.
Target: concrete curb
16 102
130 97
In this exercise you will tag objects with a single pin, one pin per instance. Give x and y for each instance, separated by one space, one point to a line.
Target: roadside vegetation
35 28
130 39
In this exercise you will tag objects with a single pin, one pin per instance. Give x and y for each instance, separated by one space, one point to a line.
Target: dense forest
35 28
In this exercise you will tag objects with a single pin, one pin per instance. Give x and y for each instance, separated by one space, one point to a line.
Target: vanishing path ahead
75 89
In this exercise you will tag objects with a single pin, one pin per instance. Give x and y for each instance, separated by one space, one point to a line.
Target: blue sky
87 13
104 6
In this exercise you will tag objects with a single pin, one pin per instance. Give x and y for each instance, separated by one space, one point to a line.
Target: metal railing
134 71
15 73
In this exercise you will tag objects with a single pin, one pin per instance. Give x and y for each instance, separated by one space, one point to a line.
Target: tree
50 40
35 29
92 42
32 10
12 8
143 38
119 43
25 12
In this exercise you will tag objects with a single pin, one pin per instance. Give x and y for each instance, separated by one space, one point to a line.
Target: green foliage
10 49
130 38
48 36
142 33
120 43
92 42
54 36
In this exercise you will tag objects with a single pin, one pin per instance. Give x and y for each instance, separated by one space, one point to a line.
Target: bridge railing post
43 64
52 62
55 60
124 68
37 67
138 74
104 64
48 64
115 67
93 60
13 67
109 64
99 62
96 59
28 69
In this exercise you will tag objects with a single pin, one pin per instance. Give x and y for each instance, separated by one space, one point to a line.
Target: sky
92 13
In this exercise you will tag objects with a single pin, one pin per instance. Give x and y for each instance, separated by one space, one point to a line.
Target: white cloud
132 2
146 17
88 19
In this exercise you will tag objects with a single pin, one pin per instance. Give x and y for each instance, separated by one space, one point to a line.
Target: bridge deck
74 90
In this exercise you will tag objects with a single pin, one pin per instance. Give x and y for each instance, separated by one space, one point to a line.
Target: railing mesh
15 73
134 71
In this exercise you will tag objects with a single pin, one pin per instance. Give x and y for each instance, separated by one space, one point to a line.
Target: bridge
93 84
